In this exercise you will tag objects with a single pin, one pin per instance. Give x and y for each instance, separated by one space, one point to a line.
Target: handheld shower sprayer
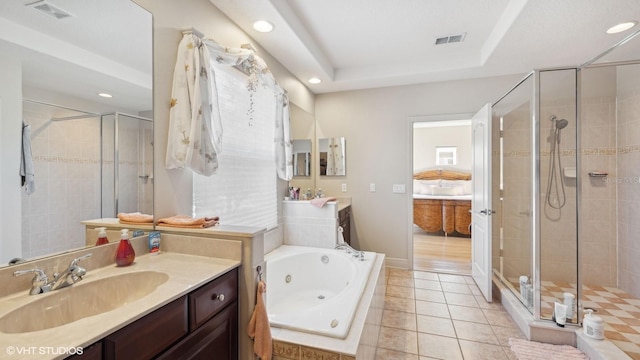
555 175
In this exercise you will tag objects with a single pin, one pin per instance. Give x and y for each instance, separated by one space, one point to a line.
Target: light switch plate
344 187
372 187
399 188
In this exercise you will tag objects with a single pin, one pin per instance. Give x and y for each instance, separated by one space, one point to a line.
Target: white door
481 201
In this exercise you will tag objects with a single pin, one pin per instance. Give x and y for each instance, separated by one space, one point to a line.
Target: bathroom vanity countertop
340 203
114 223
186 273
218 230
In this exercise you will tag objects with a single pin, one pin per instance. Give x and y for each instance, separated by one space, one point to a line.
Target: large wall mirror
303 131
92 155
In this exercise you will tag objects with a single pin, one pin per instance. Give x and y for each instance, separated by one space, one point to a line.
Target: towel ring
259 270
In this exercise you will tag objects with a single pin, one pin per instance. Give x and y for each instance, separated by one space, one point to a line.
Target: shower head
561 124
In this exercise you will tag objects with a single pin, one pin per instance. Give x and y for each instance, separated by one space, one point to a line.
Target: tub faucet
349 250
41 284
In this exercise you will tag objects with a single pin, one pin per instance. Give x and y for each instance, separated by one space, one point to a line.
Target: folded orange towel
259 329
135 218
184 221
320 202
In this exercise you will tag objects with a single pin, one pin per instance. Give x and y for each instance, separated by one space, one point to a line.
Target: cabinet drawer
205 302
149 336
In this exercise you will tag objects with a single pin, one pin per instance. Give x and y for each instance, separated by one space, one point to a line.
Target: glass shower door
512 236
127 164
558 216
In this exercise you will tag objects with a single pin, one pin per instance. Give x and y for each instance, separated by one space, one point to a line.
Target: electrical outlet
344 187
372 187
399 188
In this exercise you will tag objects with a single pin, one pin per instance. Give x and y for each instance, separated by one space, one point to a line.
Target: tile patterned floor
431 315
619 310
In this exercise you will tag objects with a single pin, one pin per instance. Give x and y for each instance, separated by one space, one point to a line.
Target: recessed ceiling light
314 80
105 95
621 27
263 26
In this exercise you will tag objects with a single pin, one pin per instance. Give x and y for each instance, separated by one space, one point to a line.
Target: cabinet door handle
217 297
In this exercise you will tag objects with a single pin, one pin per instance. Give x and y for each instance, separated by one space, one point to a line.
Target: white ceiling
351 44
357 44
106 46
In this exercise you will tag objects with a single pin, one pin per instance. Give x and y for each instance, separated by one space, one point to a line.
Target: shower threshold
619 310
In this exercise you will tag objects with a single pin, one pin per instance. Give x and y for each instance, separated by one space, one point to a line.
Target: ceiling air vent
450 39
49 9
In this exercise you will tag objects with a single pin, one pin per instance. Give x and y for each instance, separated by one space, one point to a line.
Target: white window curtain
218 88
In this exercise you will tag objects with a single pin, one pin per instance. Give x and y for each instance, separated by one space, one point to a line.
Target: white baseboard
397 263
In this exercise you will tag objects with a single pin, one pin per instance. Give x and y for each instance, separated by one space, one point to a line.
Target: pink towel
259 329
320 202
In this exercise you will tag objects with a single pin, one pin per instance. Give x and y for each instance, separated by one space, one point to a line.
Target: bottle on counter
102 236
125 254
569 300
319 193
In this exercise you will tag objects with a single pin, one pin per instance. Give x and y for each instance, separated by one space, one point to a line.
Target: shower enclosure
74 155
568 161
127 164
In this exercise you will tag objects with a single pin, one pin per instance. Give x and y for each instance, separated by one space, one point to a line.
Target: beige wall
425 141
173 188
375 124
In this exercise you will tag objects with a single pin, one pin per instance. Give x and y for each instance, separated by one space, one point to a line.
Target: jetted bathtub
315 290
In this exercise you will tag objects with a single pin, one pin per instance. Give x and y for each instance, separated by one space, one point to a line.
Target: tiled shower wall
558 227
66 158
628 178
598 205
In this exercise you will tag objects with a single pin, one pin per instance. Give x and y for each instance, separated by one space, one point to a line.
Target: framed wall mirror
332 156
303 133
302 157
79 75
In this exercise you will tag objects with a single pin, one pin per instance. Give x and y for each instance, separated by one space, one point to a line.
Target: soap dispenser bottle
102 236
125 254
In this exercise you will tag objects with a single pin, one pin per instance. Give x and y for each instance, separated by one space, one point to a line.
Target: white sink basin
81 300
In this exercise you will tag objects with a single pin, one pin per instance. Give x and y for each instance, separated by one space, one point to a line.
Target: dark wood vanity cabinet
200 325
213 322
344 220
215 339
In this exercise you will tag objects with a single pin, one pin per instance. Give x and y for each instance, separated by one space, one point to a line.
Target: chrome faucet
41 283
71 275
355 253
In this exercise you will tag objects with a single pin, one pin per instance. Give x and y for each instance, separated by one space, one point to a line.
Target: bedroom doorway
441 168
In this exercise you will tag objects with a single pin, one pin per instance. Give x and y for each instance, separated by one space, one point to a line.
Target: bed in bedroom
442 200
